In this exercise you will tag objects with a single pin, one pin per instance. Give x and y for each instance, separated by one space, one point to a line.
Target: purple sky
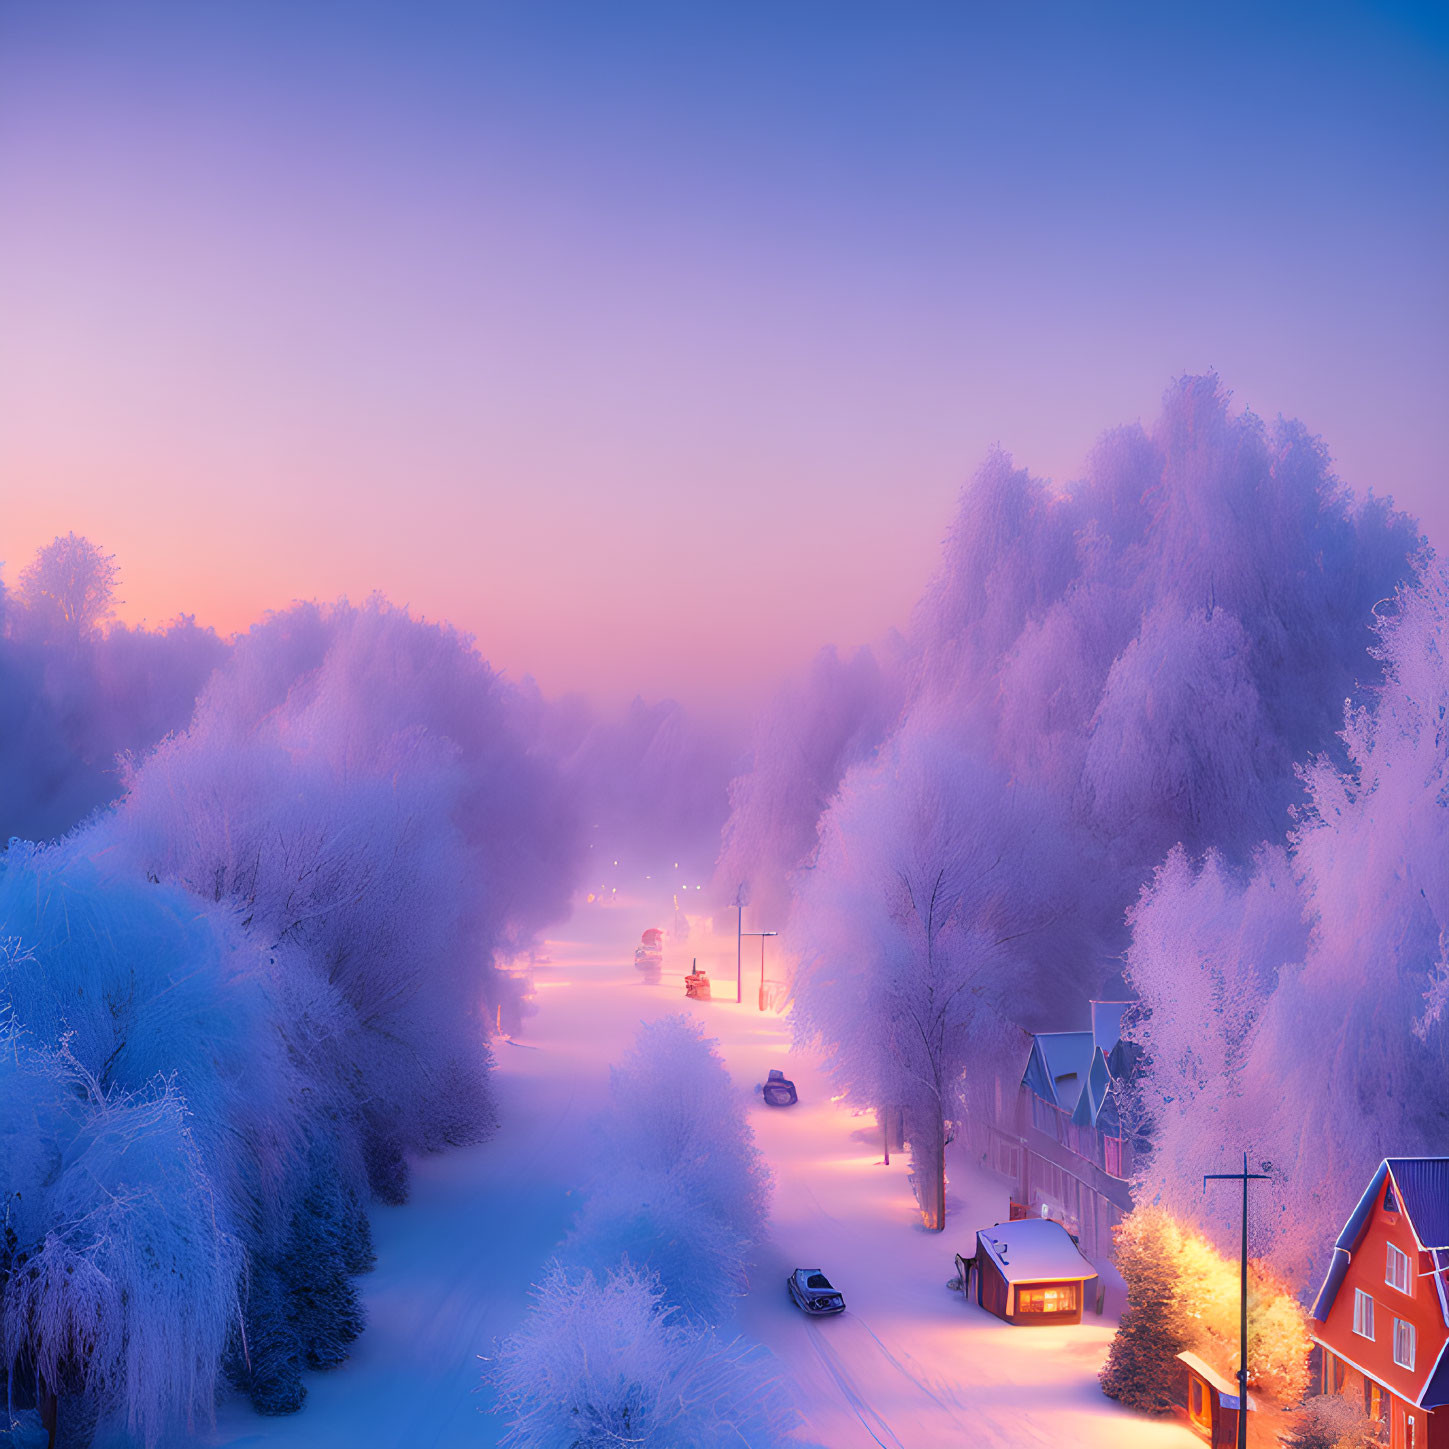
652 343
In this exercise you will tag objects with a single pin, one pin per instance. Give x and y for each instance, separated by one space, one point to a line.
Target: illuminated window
1403 1343
1198 1408
1363 1314
1397 1273
1059 1298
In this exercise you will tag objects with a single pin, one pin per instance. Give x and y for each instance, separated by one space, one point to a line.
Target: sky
652 344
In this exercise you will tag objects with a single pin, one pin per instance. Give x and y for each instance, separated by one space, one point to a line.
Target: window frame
1363 1313
1412 1335
1397 1259
1032 1297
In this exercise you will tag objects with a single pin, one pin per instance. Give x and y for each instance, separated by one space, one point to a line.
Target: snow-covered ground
909 1365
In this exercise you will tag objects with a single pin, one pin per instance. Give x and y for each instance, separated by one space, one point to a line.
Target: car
779 1090
814 1293
649 954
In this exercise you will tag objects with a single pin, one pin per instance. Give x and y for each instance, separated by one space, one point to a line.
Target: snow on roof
1034 1250
1227 1389
1068 1058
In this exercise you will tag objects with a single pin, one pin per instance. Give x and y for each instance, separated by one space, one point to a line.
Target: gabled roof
1096 1095
1034 1250
1422 1186
1436 1391
1058 1067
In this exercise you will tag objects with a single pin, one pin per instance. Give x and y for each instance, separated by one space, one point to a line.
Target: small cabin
1213 1403
1031 1272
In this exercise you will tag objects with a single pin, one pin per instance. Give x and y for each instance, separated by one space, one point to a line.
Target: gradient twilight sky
652 343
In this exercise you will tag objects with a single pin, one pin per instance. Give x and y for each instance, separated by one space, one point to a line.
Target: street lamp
761 935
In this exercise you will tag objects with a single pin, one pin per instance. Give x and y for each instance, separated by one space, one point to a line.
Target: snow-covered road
908 1366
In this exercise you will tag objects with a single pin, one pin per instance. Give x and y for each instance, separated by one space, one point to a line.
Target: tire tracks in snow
984 1428
843 1381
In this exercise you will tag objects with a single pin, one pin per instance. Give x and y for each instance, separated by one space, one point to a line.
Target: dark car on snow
814 1293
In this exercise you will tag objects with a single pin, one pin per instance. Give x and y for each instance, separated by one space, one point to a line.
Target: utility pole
740 944
739 952
1245 1177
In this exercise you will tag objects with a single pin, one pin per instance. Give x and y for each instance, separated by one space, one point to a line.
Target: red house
1382 1315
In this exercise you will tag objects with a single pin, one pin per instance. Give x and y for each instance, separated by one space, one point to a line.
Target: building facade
1055 1134
1382 1315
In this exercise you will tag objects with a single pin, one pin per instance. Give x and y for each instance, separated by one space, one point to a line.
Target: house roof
1436 1390
1034 1250
1060 1061
1227 1389
1095 1094
1107 1023
1422 1185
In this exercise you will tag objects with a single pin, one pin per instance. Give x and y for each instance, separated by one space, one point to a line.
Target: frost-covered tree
1142 1369
651 781
69 589
1155 645
936 883
804 744
134 984
605 1362
678 1187
119 1271
1149 651
356 788
1208 943
74 697
1326 978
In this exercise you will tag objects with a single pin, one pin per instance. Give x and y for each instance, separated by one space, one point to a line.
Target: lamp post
761 935
1245 1177
741 896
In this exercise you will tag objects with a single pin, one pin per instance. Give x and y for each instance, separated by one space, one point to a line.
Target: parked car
779 1090
649 954
814 1293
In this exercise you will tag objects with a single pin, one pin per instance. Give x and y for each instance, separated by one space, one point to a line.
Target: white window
1397 1272
1403 1343
1363 1314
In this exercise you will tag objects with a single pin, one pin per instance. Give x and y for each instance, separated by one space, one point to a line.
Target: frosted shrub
679 1186
605 1363
674 1110
130 1295
652 1219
